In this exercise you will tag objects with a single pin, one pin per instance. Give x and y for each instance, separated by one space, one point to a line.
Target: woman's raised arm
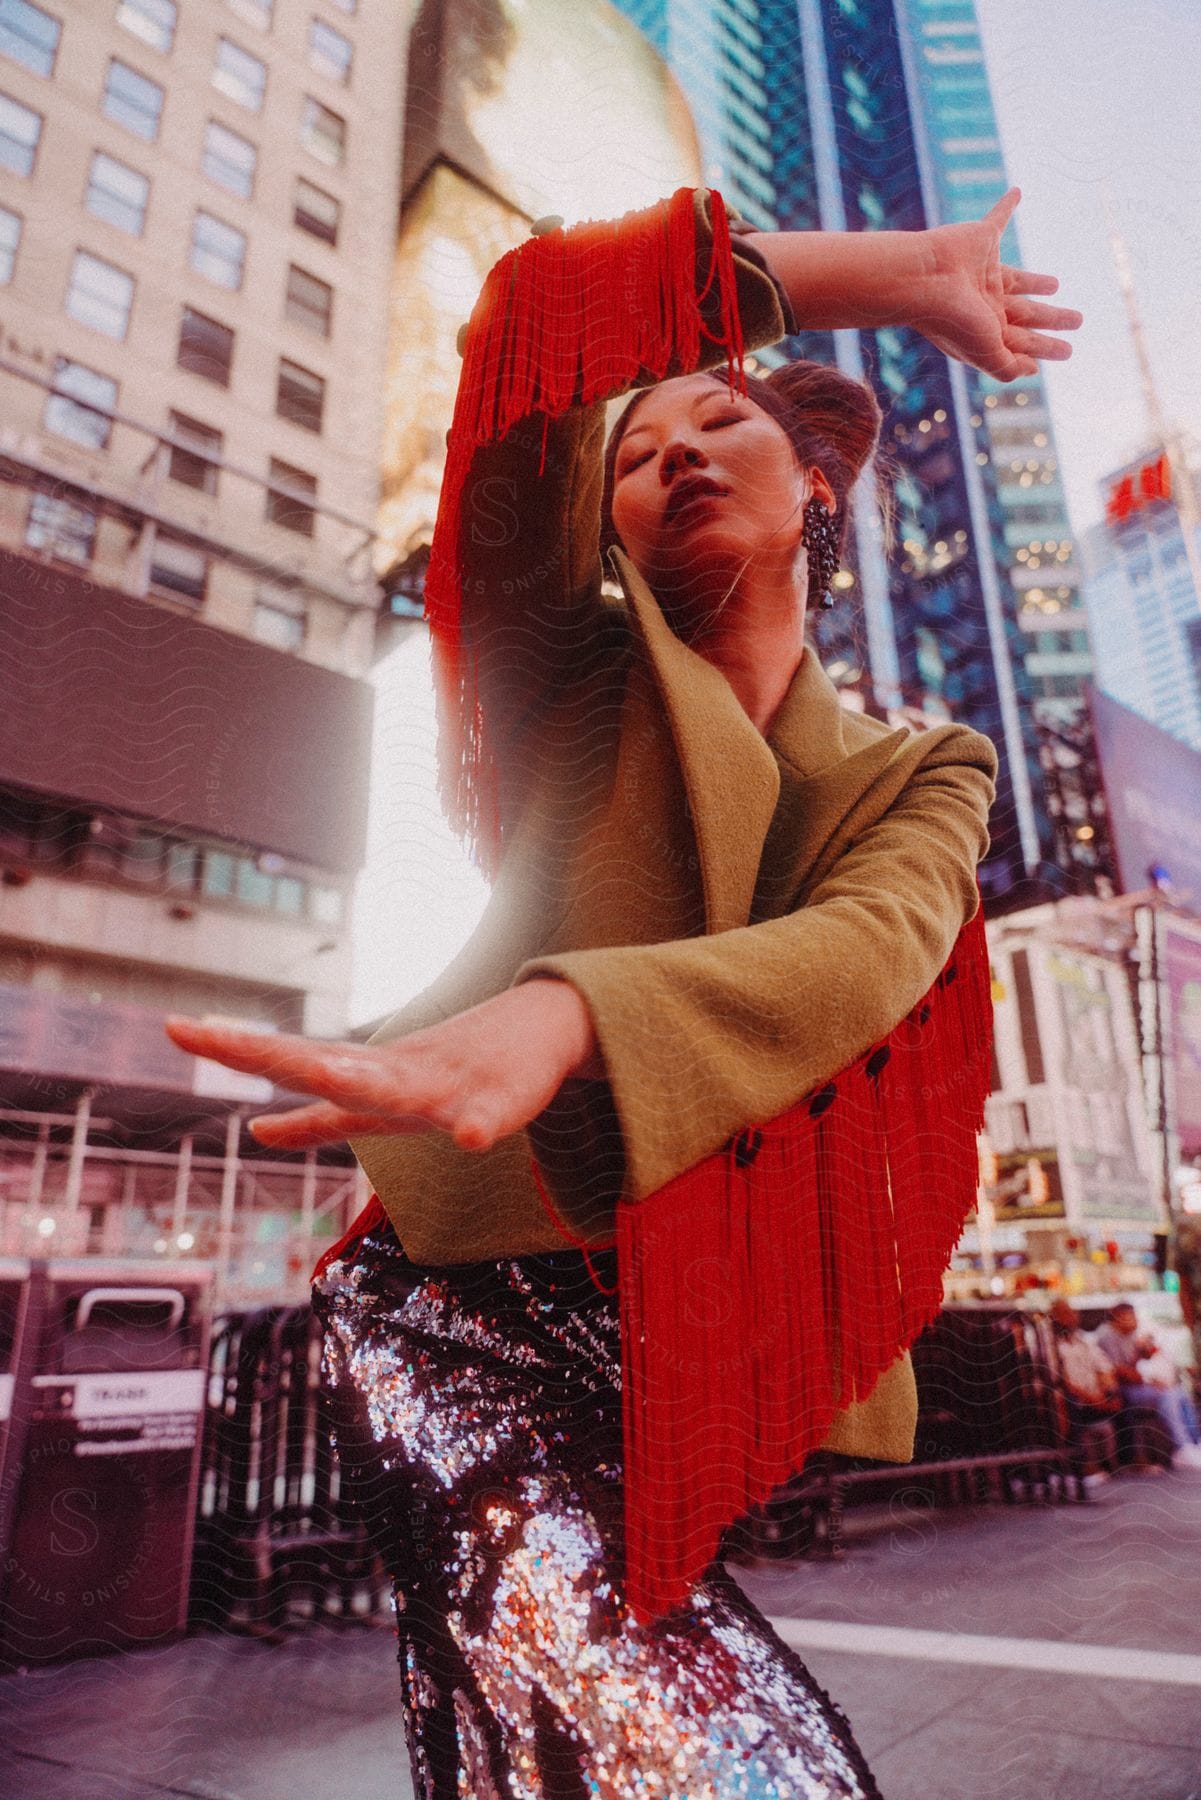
948 283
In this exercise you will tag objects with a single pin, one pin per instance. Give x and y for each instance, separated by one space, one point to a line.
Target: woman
715 890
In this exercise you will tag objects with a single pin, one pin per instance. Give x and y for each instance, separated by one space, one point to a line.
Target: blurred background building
237 243
198 230
877 115
1142 602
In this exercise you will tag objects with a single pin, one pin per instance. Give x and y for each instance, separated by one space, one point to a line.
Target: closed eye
636 461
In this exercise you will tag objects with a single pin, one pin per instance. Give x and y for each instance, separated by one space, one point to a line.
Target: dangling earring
820 538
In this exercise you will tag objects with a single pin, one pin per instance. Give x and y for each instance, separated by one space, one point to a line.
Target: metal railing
276 1540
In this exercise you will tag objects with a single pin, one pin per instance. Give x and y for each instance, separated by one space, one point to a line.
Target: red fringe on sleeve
567 318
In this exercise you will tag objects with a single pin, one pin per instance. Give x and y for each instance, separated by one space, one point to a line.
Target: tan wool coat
741 915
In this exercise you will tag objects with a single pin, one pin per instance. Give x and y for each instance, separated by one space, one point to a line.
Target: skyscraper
196 238
1143 608
875 114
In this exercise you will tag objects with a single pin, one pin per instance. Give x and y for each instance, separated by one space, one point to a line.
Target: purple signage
1153 786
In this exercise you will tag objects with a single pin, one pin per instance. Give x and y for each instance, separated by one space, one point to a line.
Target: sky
1090 95
1093 95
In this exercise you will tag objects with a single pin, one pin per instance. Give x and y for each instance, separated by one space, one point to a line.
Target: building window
132 100
218 879
117 194
325 904
309 302
99 295
316 212
291 498
255 12
151 20
251 886
218 251
10 237
330 54
29 36
323 133
300 395
279 619
61 528
20 130
239 76
229 160
81 406
205 347
181 869
178 569
195 453
289 895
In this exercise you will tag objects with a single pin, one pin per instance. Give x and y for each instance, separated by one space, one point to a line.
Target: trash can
17 1340
100 1540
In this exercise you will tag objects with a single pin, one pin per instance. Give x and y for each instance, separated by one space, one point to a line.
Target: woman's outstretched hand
976 308
949 283
478 1076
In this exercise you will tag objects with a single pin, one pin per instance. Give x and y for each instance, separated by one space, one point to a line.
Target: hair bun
835 411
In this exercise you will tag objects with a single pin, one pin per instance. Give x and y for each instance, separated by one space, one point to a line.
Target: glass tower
872 115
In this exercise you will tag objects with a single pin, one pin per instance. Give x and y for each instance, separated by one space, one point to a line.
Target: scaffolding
262 1221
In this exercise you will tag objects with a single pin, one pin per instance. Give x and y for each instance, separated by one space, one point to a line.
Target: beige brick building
198 208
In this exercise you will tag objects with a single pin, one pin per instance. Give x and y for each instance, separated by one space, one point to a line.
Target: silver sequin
478 1417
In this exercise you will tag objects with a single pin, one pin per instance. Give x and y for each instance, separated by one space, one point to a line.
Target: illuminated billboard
515 109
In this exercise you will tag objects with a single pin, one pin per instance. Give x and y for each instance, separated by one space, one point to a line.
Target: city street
1012 1653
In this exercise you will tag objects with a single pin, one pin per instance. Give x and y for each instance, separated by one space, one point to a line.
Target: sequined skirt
477 1412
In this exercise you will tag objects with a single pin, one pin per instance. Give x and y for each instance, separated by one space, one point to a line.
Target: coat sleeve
529 536
703 1036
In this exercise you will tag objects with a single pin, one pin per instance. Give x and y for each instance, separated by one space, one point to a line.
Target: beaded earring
820 538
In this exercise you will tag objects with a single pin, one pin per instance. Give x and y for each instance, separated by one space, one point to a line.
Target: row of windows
81 406
119 194
1045 643
179 569
30 36
100 295
135 102
67 840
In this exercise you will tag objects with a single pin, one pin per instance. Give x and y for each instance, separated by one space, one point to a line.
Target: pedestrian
1087 1376
724 1025
1147 1376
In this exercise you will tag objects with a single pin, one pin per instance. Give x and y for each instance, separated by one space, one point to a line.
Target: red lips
689 488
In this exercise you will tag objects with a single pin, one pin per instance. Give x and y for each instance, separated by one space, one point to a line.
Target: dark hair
831 421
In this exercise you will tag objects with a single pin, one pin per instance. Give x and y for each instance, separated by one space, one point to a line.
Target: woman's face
703 484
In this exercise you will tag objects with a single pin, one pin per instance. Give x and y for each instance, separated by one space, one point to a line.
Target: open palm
477 1076
979 310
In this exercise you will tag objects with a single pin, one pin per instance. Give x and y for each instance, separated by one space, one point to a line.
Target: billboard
1181 968
138 710
1153 786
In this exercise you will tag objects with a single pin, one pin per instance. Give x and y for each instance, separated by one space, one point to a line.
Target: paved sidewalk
1044 1603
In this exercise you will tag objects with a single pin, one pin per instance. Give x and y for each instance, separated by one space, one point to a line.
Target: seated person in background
1090 1381
1147 1376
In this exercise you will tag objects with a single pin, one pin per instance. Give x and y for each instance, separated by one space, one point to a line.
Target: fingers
1033 313
286 1060
1004 209
306 1127
1037 344
352 1075
1005 364
1025 281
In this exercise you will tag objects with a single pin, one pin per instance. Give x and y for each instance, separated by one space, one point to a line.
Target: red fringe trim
369 1219
568 318
773 1283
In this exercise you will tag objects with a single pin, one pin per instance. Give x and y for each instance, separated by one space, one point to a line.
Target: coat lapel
730 775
